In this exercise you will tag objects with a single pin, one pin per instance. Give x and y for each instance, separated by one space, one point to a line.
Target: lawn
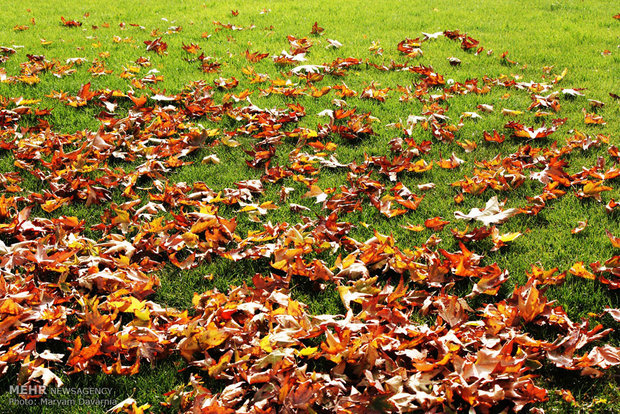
285 206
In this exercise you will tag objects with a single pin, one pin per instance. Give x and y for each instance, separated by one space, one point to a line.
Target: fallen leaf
579 270
492 213
580 227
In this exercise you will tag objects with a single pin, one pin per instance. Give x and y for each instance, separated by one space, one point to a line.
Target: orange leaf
615 241
579 270
54 203
436 223
530 306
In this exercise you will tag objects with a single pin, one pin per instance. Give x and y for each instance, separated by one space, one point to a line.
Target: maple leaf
192 48
316 30
580 227
467 145
55 203
500 240
572 92
547 277
286 58
596 104
493 138
450 163
553 173
410 47
256 56
371 92
473 235
511 112
615 241
526 132
413 227
333 43
614 313
224 83
486 108
452 309
436 223
605 357
492 213
530 302
210 159
592 119
158 46
579 270
593 189
46 375
129 405
308 69
70 23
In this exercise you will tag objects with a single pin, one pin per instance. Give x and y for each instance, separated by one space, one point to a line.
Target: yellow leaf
143 314
229 142
508 237
511 112
349 260
53 204
560 77
308 351
221 365
414 227
190 239
579 270
265 344
212 337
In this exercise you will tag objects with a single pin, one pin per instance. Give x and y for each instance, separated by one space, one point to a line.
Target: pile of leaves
422 328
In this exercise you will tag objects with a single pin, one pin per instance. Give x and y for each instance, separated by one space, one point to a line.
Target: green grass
563 34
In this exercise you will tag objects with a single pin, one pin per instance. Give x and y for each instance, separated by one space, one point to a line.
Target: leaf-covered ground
265 208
